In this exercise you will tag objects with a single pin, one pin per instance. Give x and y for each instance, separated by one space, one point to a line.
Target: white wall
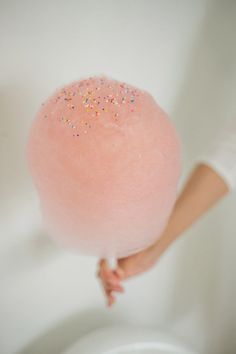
183 52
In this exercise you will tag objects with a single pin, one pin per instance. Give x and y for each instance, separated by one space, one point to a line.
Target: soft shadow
32 253
59 338
32 246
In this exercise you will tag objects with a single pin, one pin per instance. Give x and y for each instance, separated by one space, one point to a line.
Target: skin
203 189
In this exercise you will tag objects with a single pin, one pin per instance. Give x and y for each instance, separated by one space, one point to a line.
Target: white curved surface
119 339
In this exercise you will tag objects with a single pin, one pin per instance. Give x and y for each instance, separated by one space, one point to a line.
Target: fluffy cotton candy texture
106 161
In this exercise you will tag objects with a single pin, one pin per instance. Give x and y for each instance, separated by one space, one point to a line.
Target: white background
183 52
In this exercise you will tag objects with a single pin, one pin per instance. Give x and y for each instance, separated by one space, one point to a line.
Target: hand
127 267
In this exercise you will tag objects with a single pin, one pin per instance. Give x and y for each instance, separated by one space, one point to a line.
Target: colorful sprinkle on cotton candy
105 160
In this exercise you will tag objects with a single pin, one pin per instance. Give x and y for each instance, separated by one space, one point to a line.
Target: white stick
112 262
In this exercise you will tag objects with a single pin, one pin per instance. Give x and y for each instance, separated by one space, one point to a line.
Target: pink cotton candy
106 162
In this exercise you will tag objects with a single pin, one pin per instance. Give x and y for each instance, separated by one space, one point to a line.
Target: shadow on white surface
57 339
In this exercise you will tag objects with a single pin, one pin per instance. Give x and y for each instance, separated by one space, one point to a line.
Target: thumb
103 263
103 267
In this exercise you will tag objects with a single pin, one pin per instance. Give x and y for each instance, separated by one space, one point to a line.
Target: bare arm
204 188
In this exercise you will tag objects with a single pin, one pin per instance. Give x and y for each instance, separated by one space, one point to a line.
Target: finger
113 280
111 285
110 297
119 272
108 289
107 293
103 263
119 289
109 276
105 268
111 300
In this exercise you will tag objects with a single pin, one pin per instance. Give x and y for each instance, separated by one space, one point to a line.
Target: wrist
160 246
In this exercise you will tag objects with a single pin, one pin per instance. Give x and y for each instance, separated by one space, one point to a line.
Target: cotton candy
105 160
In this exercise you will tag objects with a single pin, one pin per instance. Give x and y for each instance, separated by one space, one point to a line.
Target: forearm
203 189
